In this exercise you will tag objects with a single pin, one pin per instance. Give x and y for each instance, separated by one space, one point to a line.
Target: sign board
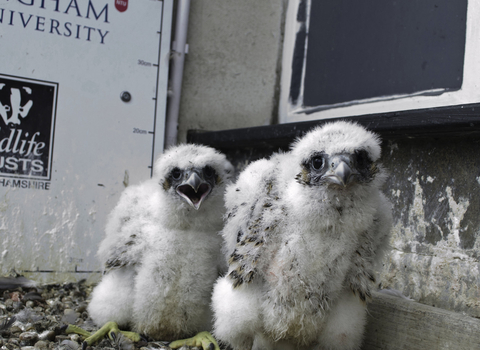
347 59
83 88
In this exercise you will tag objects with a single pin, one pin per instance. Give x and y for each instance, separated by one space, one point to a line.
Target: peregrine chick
303 235
162 250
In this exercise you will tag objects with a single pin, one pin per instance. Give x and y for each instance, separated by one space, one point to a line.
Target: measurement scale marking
156 92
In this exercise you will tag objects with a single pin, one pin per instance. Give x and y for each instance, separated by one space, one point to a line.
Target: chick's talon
112 335
202 339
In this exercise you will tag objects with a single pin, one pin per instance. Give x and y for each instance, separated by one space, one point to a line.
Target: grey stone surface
232 68
435 189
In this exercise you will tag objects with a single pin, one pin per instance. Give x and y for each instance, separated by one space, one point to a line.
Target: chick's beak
340 172
194 190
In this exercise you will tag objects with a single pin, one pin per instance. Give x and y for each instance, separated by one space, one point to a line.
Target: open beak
340 172
194 190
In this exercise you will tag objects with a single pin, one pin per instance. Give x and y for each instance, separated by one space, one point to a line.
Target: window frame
469 94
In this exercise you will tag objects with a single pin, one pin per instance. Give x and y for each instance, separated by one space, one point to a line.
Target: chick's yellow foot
110 328
202 339
72 329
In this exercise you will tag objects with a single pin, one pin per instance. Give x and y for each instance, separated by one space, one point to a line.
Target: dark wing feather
253 221
370 252
125 238
361 276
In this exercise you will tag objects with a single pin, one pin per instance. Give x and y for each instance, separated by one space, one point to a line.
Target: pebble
81 308
9 304
69 344
15 296
15 329
41 345
62 337
70 316
28 338
13 341
47 335
41 312
75 337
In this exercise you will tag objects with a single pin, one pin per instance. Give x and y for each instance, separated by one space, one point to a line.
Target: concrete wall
232 68
434 186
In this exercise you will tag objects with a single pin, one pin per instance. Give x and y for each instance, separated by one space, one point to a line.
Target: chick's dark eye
176 174
208 171
317 163
362 159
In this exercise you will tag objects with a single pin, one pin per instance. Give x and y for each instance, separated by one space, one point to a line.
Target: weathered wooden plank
395 323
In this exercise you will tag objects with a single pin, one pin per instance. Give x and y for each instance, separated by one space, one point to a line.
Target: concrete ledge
396 323
446 122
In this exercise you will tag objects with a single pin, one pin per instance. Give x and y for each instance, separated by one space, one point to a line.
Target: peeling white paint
58 232
437 272
456 214
417 212
396 193
393 147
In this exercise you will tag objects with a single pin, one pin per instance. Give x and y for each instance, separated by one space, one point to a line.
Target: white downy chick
303 234
162 247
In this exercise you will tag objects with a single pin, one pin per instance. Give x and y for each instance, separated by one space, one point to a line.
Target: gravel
31 318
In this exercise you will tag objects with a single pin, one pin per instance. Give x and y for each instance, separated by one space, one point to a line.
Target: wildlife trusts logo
16 108
27 111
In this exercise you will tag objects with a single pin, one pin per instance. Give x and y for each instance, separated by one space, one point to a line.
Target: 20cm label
139 131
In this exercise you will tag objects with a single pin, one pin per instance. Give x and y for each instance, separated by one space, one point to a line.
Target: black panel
374 48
